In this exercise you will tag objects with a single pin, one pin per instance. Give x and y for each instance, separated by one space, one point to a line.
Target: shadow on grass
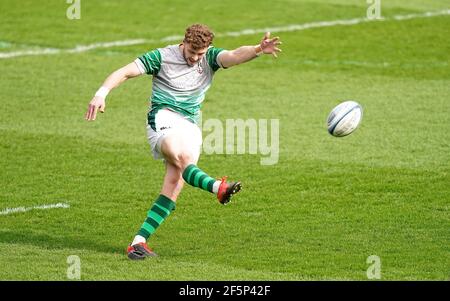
58 242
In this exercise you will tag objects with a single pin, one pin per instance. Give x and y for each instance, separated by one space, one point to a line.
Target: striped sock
156 215
197 178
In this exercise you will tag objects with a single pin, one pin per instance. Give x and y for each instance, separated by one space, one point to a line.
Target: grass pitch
319 213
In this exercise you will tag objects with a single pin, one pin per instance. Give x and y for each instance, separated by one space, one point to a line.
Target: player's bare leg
173 182
172 185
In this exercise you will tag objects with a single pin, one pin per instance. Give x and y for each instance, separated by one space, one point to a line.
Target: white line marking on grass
83 48
77 49
299 27
7 55
287 28
41 207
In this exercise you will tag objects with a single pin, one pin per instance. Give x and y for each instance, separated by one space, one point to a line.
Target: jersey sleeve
211 56
149 62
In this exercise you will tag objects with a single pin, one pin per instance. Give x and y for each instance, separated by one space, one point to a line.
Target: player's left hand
269 46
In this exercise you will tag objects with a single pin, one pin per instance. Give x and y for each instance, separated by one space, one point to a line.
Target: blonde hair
199 36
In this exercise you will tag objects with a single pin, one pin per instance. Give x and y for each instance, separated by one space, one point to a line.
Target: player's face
192 55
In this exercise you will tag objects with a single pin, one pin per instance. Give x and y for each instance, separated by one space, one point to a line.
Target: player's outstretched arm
112 81
246 53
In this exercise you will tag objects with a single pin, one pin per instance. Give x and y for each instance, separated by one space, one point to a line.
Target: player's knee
176 151
183 159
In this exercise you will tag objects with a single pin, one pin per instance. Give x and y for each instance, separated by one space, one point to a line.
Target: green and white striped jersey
176 85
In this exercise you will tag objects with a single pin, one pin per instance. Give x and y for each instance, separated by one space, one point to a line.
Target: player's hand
269 46
97 103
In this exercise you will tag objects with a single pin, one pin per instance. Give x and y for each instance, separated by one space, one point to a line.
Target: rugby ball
344 118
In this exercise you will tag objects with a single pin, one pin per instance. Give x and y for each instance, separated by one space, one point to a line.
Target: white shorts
168 122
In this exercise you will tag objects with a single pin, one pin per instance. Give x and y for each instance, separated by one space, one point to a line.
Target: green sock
156 215
197 178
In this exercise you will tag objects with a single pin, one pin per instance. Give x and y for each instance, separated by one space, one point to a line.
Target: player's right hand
97 103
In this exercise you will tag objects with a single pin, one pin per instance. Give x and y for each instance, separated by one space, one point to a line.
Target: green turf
319 213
